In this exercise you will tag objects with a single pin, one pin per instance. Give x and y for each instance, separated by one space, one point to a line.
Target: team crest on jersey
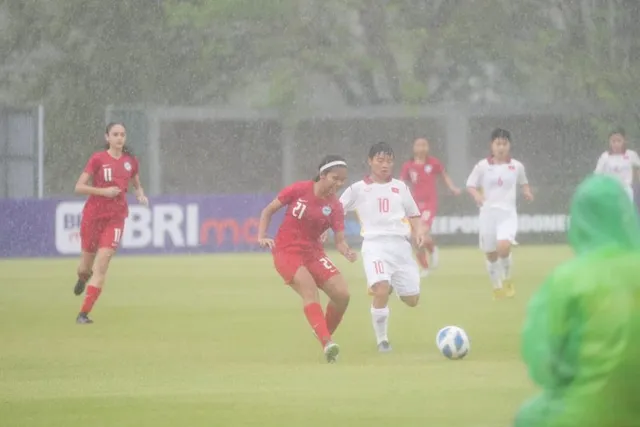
326 210
127 166
428 168
512 167
395 190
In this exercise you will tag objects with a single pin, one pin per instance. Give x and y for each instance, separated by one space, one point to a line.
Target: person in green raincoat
581 338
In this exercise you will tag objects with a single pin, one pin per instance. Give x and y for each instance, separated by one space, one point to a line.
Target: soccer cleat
81 284
83 319
331 352
498 293
79 287
384 347
509 289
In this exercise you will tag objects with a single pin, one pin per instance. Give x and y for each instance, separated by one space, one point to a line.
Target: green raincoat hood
602 215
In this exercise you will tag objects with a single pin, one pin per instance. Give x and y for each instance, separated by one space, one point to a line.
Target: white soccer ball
453 342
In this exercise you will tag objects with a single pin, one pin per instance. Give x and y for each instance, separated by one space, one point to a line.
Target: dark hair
325 161
380 148
618 131
500 133
125 149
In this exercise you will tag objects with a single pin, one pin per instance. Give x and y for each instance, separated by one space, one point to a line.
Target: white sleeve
475 178
348 199
410 207
601 162
522 175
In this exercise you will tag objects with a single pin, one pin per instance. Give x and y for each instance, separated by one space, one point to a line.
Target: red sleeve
404 173
288 194
337 218
437 167
92 165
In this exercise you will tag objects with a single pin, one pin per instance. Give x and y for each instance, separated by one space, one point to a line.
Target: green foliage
78 56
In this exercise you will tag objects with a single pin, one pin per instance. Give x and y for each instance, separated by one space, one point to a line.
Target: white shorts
391 259
496 225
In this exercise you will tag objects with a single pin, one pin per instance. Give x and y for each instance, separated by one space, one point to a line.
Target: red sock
423 260
90 298
333 317
315 317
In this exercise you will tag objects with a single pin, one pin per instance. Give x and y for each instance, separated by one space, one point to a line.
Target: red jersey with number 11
107 171
307 217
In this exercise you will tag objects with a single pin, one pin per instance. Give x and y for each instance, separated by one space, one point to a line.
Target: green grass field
219 341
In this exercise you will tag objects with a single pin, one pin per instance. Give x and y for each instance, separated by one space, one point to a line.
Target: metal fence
204 151
21 152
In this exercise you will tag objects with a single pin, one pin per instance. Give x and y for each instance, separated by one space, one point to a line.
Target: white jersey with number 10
382 208
499 182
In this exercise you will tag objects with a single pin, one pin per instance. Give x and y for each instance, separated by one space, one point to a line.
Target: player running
388 215
103 215
492 184
619 162
298 254
421 174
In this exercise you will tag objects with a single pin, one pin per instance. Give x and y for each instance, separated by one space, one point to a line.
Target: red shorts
100 233
319 265
428 212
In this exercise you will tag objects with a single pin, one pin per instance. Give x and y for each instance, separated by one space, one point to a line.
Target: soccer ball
453 342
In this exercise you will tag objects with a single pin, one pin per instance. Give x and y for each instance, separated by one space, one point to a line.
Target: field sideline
219 341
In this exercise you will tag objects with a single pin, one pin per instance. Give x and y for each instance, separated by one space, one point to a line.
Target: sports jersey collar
611 153
492 162
367 180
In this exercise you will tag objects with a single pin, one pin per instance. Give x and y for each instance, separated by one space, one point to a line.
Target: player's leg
489 245
423 254
506 230
305 286
107 246
335 287
378 276
89 239
406 276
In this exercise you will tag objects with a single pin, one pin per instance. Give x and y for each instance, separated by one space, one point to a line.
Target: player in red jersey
420 174
103 215
298 253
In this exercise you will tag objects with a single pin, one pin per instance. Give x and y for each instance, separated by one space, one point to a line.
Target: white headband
332 164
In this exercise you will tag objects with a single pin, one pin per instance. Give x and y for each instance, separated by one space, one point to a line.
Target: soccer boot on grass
499 294
83 319
331 351
384 347
509 289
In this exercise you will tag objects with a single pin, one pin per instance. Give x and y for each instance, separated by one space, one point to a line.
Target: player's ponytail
328 164
125 149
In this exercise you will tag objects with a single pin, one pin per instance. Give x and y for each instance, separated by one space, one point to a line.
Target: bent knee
411 300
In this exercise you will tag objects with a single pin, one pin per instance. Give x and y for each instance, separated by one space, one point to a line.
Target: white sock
380 322
495 273
506 266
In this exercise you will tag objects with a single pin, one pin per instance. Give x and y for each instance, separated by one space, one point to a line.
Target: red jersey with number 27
306 218
422 179
107 171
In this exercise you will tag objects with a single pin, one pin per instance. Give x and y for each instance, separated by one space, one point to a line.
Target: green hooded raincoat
581 338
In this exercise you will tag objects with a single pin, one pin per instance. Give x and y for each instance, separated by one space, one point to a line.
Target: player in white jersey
619 162
493 183
390 218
